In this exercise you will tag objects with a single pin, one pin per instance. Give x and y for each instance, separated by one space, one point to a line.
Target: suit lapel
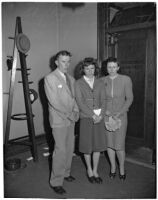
63 82
69 84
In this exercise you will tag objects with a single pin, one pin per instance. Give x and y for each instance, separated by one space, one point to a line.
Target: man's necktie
68 83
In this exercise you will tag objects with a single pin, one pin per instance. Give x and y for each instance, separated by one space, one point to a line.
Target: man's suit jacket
62 105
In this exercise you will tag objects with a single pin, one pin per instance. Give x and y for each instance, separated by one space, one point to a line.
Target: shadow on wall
104 68
78 70
44 102
46 124
52 64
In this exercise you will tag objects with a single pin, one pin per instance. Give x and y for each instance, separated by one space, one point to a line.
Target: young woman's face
112 68
89 71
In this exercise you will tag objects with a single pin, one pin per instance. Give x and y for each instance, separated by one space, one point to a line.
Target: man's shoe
69 178
58 189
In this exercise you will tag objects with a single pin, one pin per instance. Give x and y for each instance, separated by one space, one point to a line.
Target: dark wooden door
132 57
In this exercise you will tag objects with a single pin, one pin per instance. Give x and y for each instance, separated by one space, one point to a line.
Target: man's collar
60 72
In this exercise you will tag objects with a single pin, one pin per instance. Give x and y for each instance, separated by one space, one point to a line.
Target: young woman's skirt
92 136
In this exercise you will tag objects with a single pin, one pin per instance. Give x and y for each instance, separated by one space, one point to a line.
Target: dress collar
88 79
113 77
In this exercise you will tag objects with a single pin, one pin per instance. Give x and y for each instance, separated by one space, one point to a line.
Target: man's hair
62 53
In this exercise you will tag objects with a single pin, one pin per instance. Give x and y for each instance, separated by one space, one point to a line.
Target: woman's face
89 71
112 68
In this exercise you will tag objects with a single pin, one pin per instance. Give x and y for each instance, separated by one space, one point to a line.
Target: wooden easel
22 116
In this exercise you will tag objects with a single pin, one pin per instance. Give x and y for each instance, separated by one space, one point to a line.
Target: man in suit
63 113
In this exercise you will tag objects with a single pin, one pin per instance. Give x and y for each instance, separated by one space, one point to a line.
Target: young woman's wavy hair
86 62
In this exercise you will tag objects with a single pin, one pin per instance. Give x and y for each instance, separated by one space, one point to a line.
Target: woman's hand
116 115
97 118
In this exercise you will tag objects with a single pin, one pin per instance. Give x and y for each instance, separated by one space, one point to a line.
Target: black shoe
98 180
112 175
58 189
91 179
122 177
69 178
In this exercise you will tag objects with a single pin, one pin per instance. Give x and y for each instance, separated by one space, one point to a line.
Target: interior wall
50 27
78 31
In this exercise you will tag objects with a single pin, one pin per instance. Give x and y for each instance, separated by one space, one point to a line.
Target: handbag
112 124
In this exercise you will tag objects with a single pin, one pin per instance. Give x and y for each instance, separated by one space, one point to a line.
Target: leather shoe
112 175
91 179
69 178
122 177
98 180
58 189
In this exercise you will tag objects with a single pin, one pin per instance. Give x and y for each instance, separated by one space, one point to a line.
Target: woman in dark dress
90 97
119 98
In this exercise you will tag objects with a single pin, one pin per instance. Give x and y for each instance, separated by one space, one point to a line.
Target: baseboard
134 140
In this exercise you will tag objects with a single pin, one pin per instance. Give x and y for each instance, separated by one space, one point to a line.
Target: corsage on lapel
60 86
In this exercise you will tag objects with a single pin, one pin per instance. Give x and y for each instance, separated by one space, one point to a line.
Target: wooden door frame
103 29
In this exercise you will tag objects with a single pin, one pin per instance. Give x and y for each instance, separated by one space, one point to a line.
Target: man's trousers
62 155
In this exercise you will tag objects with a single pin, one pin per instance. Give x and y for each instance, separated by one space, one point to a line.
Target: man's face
63 63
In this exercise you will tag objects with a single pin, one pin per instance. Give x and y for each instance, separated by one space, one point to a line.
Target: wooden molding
131 27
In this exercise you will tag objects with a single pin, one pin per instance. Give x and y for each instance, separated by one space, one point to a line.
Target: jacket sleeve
81 103
74 116
52 96
128 95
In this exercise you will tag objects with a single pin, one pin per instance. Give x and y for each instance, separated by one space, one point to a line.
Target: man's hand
74 116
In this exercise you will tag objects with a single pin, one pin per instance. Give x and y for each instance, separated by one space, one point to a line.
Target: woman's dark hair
104 65
112 59
79 69
90 61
